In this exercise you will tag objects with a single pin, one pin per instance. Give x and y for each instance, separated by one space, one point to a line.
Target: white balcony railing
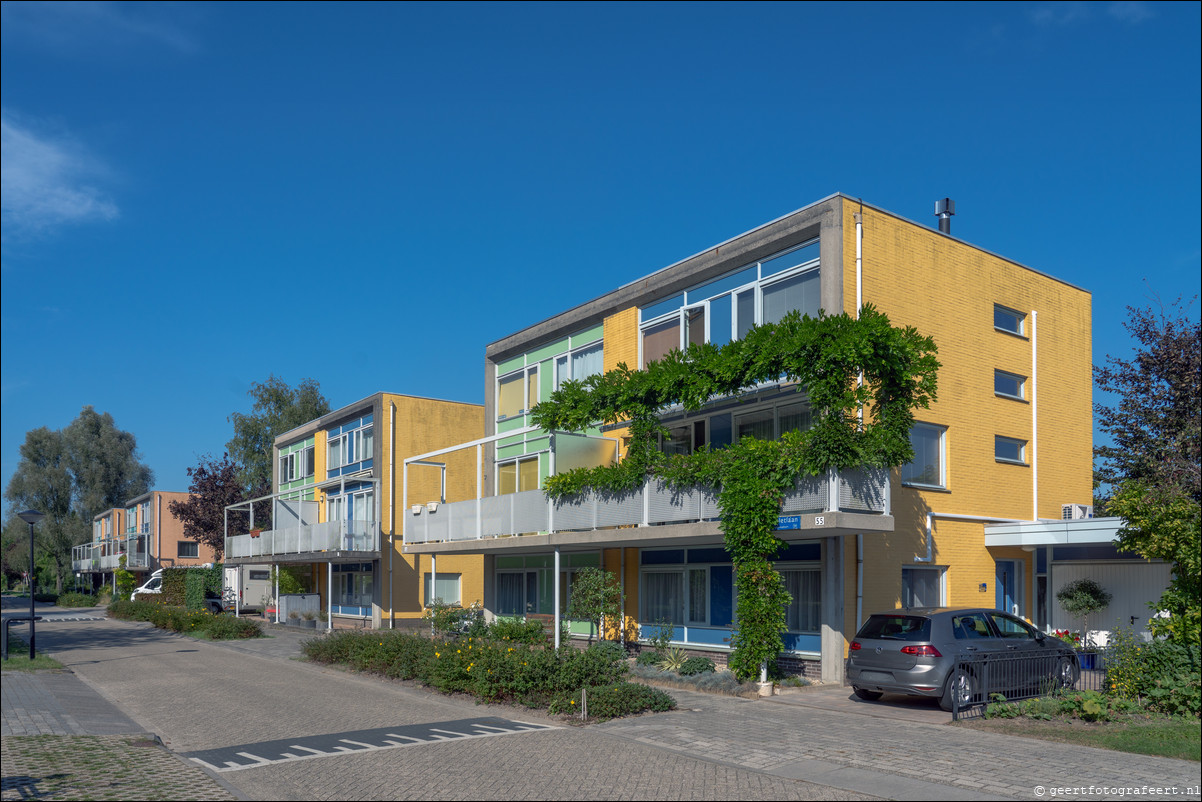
327 536
864 491
106 556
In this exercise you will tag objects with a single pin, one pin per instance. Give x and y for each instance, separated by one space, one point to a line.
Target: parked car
152 586
914 652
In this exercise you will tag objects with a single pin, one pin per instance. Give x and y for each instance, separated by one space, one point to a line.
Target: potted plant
293 618
1083 597
309 619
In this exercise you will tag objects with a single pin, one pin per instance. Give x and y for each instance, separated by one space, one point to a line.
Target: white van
152 585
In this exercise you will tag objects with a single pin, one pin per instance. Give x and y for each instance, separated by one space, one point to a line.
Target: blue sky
196 196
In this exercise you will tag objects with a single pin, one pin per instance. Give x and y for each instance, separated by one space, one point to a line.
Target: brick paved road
201 696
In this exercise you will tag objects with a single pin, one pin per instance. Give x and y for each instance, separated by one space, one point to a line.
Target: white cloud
45 181
68 26
1134 12
1059 13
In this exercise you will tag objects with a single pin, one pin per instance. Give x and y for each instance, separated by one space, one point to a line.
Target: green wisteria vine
825 356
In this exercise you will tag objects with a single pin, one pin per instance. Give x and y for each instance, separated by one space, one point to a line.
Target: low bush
517 630
613 701
696 665
648 658
76 600
491 669
711 682
178 619
1165 676
228 627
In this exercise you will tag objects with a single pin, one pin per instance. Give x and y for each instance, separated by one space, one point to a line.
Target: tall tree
1155 424
72 475
215 485
277 408
1151 476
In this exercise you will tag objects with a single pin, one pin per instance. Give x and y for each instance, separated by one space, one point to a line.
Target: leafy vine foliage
825 356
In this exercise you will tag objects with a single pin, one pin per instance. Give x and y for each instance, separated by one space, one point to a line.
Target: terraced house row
398 499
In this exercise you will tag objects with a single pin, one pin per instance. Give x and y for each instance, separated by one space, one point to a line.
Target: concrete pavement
199 696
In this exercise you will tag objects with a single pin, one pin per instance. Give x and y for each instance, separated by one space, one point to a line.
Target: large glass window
663 597
517 476
287 467
445 589
187 548
804 613
927 467
579 364
350 447
730 305
517 393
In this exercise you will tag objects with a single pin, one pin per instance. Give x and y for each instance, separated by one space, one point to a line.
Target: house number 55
819 520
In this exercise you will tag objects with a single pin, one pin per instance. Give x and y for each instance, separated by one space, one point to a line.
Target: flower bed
179 619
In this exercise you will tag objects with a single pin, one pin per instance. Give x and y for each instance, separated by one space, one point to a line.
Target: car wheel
1066 673
870 696
960 686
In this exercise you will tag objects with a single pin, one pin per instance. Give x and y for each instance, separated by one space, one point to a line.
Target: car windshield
896 627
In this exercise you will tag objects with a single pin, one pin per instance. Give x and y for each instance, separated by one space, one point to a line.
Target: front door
1007 586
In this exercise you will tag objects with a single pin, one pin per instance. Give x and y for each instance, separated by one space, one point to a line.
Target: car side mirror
1040 635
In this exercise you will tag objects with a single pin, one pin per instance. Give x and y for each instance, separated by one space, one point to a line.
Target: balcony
106 556
853 500
329 536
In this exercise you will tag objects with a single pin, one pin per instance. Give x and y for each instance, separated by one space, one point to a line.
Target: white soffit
1081 532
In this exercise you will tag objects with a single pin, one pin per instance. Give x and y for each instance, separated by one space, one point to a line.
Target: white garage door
1131 584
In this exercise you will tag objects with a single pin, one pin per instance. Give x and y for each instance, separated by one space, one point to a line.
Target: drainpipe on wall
391 509
860 381
1034 420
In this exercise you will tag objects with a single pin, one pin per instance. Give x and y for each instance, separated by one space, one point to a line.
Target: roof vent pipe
944 209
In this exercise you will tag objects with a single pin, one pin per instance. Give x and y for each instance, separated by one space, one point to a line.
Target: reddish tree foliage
214 486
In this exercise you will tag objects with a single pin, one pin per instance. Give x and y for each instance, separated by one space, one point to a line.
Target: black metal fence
979 680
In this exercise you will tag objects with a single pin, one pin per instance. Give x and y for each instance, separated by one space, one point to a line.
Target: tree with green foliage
1151 474
1082 598
595 597
845 364
277 408
72 475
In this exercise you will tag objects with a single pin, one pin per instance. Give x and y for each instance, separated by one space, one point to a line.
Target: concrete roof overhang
1080 532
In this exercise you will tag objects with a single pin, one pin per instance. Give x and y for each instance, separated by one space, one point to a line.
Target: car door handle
1011 646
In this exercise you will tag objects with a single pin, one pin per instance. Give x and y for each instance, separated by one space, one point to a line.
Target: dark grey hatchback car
915 652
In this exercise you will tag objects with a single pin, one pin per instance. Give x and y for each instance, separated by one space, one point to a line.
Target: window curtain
663 597
804 613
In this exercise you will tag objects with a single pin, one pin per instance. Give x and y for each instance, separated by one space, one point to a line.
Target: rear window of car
896 627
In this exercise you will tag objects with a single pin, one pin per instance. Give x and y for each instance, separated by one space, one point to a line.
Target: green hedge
180 619
492 669
1165 676
76 600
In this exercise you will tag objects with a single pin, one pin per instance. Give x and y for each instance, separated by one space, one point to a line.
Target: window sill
1008 397
934 488
1019 463
1012 333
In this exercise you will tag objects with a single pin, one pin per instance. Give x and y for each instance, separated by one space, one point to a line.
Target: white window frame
942 484
1021 381
525 375
308 461
287 467
810 567
1020 320
999 440
563 363
757 285
941 579
179 547
516 462
428 588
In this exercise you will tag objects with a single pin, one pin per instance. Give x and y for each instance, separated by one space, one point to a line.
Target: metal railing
326 536
654 504
983 679
106 556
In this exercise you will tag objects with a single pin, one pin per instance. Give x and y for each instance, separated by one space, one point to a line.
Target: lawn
1143 735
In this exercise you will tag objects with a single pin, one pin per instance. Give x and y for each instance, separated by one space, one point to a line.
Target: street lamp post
31 517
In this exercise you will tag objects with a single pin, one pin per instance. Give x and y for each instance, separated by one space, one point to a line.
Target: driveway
298 731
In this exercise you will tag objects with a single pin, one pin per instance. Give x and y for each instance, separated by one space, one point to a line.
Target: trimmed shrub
614 701
648 658
227 627
517 630
611 649
696 665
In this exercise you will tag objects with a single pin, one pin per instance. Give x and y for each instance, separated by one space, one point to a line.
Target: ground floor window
187 548
354 585
525 584
445 589
804 613
922 587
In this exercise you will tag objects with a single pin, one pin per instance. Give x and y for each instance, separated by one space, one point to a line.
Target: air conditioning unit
1073 512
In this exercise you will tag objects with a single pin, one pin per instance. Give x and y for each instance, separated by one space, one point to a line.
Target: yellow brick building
1009 439
337 510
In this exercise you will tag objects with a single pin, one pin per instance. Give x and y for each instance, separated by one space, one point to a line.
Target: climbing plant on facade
826 356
